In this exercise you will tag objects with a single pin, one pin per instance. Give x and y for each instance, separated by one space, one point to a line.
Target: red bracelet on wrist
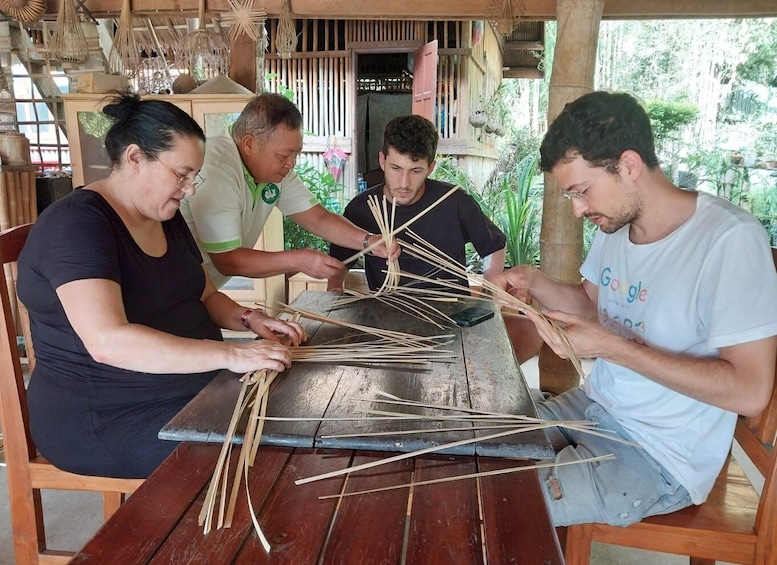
244 317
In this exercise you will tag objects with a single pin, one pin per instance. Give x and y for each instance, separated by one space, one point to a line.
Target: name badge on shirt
270 193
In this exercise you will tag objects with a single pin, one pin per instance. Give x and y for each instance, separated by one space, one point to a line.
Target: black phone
471 316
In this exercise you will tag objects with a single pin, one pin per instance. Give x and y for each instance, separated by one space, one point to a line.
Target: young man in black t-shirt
407 159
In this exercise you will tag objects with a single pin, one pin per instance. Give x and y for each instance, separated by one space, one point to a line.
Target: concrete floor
72 518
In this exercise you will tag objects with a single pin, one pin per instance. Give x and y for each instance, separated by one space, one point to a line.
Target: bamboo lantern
203 53
68 41
561 236
124 57
286 40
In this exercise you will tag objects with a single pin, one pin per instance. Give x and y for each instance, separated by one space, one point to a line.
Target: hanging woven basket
24 10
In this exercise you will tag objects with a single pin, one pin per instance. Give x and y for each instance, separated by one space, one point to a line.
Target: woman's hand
257 355
270 328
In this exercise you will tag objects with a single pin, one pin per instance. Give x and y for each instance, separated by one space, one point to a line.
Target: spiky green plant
518 212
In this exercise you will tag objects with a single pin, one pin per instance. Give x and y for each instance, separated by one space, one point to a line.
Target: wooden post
561 236
242 62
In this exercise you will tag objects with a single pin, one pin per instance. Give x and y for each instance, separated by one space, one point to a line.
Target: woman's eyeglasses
183 180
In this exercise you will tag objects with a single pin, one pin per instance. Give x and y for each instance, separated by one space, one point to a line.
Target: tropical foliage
324 187
511 199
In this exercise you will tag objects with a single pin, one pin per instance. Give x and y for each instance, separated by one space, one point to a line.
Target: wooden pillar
561 236
242 62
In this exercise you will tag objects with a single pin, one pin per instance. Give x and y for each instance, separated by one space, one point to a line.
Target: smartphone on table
471 316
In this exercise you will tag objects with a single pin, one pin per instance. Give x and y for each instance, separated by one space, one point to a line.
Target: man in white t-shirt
246 176
668 306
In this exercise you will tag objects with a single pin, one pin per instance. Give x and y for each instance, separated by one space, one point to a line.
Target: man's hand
389 253
588 339
319 265
517 281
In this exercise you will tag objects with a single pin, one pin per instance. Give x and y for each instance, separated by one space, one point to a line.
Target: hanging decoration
501 16
154 76
243 18
68 42
205 54
124 57
286 41
478 27
24 10
261 49
335 159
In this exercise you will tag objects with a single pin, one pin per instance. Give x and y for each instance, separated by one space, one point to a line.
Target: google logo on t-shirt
632 292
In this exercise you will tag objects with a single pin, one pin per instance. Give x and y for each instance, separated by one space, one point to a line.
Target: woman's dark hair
150 124
599 126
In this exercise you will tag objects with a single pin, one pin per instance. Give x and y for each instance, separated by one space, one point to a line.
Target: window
41 118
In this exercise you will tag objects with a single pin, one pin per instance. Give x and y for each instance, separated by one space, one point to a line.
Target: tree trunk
561 236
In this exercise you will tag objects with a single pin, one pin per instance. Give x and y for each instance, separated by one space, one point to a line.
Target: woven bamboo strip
403 226
433 255
24 212
13 199
495 472
431 449
5 218
20 205
33 197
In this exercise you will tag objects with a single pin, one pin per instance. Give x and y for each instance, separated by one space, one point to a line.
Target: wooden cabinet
86 129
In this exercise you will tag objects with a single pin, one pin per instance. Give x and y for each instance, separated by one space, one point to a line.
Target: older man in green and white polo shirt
246 176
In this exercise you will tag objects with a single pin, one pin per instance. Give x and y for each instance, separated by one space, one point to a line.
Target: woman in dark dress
124 318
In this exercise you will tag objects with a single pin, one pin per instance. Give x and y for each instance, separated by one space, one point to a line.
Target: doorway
384 90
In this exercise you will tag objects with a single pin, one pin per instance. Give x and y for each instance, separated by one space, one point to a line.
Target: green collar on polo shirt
253 186
267 190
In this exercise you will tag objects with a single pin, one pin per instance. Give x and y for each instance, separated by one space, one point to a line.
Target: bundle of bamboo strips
425 251
389 346
413 301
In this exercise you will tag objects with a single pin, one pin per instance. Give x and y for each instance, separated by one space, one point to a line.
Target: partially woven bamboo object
68 41
124 57
24 10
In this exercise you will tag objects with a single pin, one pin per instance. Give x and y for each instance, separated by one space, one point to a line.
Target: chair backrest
13 396
758 436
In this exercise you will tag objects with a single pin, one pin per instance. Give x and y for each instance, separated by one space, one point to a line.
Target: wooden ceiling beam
440 10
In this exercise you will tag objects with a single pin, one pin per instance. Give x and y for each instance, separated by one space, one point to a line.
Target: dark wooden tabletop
482 374
496 519
491 520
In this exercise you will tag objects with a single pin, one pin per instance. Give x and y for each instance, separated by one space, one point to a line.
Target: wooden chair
523 335
733 525
27 472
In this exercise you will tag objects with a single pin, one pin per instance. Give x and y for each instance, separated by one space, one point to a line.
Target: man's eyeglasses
183 180
579 195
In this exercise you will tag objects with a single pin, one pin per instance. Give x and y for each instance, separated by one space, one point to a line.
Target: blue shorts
619 491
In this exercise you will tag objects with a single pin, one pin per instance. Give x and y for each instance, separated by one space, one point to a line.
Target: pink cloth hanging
335 159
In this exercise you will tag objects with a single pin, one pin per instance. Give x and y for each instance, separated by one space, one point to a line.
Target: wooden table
483 374
497 519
